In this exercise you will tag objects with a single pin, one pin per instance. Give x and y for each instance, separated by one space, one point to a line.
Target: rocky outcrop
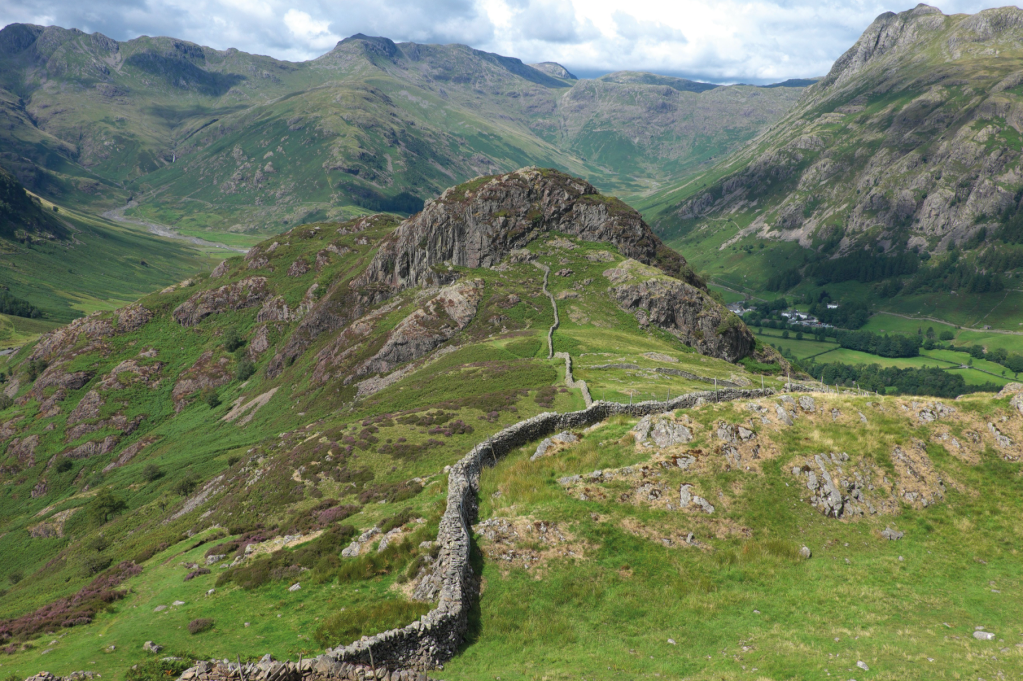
24 450
205 373
844 488
436 322
91 448
685 311
478 223
663 429
88 408
93 327
242 294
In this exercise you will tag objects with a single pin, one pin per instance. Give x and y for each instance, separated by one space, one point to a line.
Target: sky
752 41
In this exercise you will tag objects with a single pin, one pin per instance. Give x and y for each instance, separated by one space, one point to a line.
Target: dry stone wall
436 637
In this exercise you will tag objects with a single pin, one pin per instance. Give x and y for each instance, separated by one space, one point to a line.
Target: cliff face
478 223
681 309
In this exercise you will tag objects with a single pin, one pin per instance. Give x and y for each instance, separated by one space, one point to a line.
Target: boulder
892 535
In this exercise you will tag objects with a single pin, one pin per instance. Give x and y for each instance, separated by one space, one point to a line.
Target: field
981 371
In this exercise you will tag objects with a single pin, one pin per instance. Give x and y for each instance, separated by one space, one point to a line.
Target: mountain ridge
370 125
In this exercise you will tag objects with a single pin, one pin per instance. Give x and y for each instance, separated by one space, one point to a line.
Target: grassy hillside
160 434
65 263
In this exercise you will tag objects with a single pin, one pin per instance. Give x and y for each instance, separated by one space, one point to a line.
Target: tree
946 336
105 506
211 398
244 370
151 472
799 335
232 339
930 332
785 333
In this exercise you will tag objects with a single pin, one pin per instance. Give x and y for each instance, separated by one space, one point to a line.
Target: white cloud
314 33
723 40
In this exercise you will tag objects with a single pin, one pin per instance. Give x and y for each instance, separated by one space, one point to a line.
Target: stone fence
437 635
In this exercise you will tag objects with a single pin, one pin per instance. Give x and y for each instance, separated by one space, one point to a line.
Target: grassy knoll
742 604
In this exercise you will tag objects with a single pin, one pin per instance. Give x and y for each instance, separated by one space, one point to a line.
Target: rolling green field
981 370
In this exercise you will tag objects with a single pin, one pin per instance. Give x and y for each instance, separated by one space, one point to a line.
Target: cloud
633 30
551 21
314 33
720 40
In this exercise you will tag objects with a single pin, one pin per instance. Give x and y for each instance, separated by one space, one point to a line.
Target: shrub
187 484
195 573
946 336
36 367
149 552
232 339
396 520
105 506
211 398
151 472
198 626
336 513
96 564
5 402
74 610
99 544
64 465
244 370
545 397
14 578
233 459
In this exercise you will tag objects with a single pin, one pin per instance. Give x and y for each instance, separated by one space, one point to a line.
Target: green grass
609 612
107 265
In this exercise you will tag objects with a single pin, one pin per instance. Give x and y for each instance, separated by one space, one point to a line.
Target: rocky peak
552 68
478 223
889 33
370 45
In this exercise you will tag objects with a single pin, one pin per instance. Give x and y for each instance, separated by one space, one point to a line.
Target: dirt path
117 215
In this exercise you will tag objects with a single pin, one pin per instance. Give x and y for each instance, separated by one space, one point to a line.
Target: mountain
479 439
232 146
898 171
634 77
